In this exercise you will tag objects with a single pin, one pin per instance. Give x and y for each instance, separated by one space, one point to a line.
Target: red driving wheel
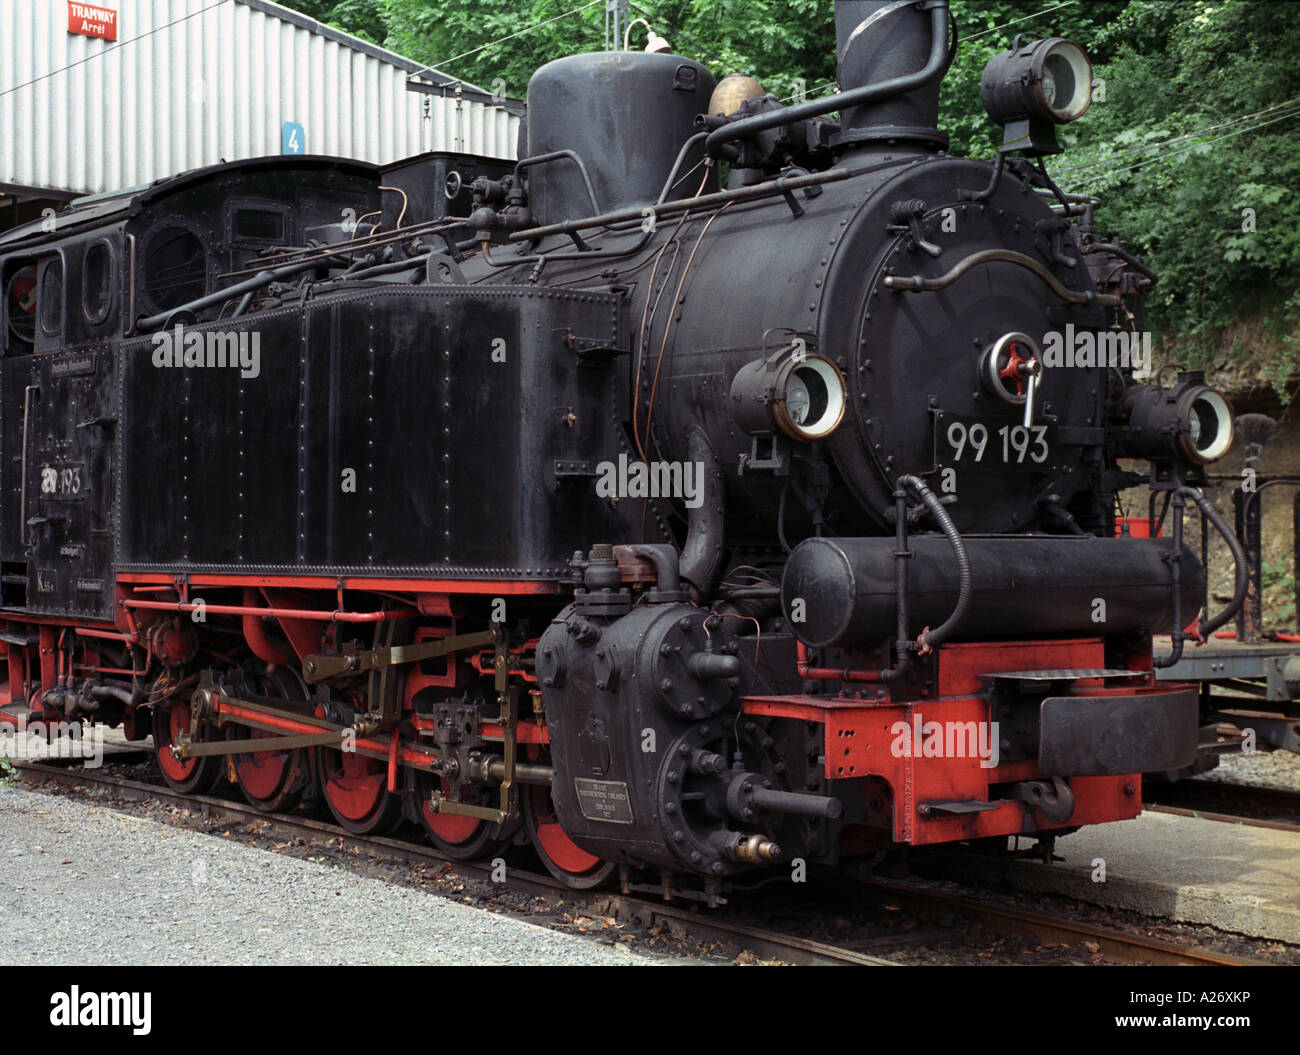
355 788
273 781
192 776
563 858
458 837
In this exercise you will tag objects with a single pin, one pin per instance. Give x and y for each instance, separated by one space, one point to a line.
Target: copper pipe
402 215
828 673
107 635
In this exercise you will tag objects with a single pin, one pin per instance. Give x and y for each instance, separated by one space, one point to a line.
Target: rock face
1254 365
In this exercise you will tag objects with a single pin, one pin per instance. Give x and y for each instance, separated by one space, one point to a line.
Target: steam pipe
111 692
258 640
902 646
1178 635
687 147
664 558
391 267
546 258
805 670
754 192
249 285
106 635
1207 626
917 284
867 94
702 556
333 251
1126 256
559 155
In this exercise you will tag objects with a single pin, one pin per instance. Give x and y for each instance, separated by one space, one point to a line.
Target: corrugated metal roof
189 83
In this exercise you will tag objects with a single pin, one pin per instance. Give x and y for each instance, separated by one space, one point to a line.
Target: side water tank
627 115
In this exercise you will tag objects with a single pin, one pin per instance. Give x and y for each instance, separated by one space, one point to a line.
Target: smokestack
876 41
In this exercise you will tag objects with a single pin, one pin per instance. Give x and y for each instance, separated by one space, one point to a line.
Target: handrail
335 616
754 192
1205 625
917 284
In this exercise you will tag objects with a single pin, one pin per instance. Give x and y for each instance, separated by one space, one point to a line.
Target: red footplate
944 768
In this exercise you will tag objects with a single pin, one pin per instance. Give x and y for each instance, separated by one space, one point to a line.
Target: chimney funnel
878 40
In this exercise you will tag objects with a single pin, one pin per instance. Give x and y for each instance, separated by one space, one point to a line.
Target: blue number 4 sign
293 138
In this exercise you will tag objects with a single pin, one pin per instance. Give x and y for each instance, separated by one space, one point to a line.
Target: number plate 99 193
992 442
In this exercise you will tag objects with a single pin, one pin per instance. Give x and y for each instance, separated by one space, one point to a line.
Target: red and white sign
92 21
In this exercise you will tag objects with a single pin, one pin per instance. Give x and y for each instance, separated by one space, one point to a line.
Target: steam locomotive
696 495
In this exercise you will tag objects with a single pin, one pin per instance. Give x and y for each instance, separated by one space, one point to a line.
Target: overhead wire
213 6
1191 146
491 44
1184 137
1017 21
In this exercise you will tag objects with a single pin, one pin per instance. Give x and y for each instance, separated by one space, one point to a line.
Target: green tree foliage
777 41
1171 150
1177 159
361 18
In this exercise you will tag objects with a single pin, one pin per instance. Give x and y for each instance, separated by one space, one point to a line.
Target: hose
928 638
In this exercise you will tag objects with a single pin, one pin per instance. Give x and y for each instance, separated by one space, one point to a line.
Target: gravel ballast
1265 769
87 885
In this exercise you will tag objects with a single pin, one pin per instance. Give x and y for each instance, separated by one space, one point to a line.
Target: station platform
1234 877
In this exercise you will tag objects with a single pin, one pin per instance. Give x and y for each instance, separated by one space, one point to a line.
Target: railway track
1227 818
1258 807
1115 946
705 929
